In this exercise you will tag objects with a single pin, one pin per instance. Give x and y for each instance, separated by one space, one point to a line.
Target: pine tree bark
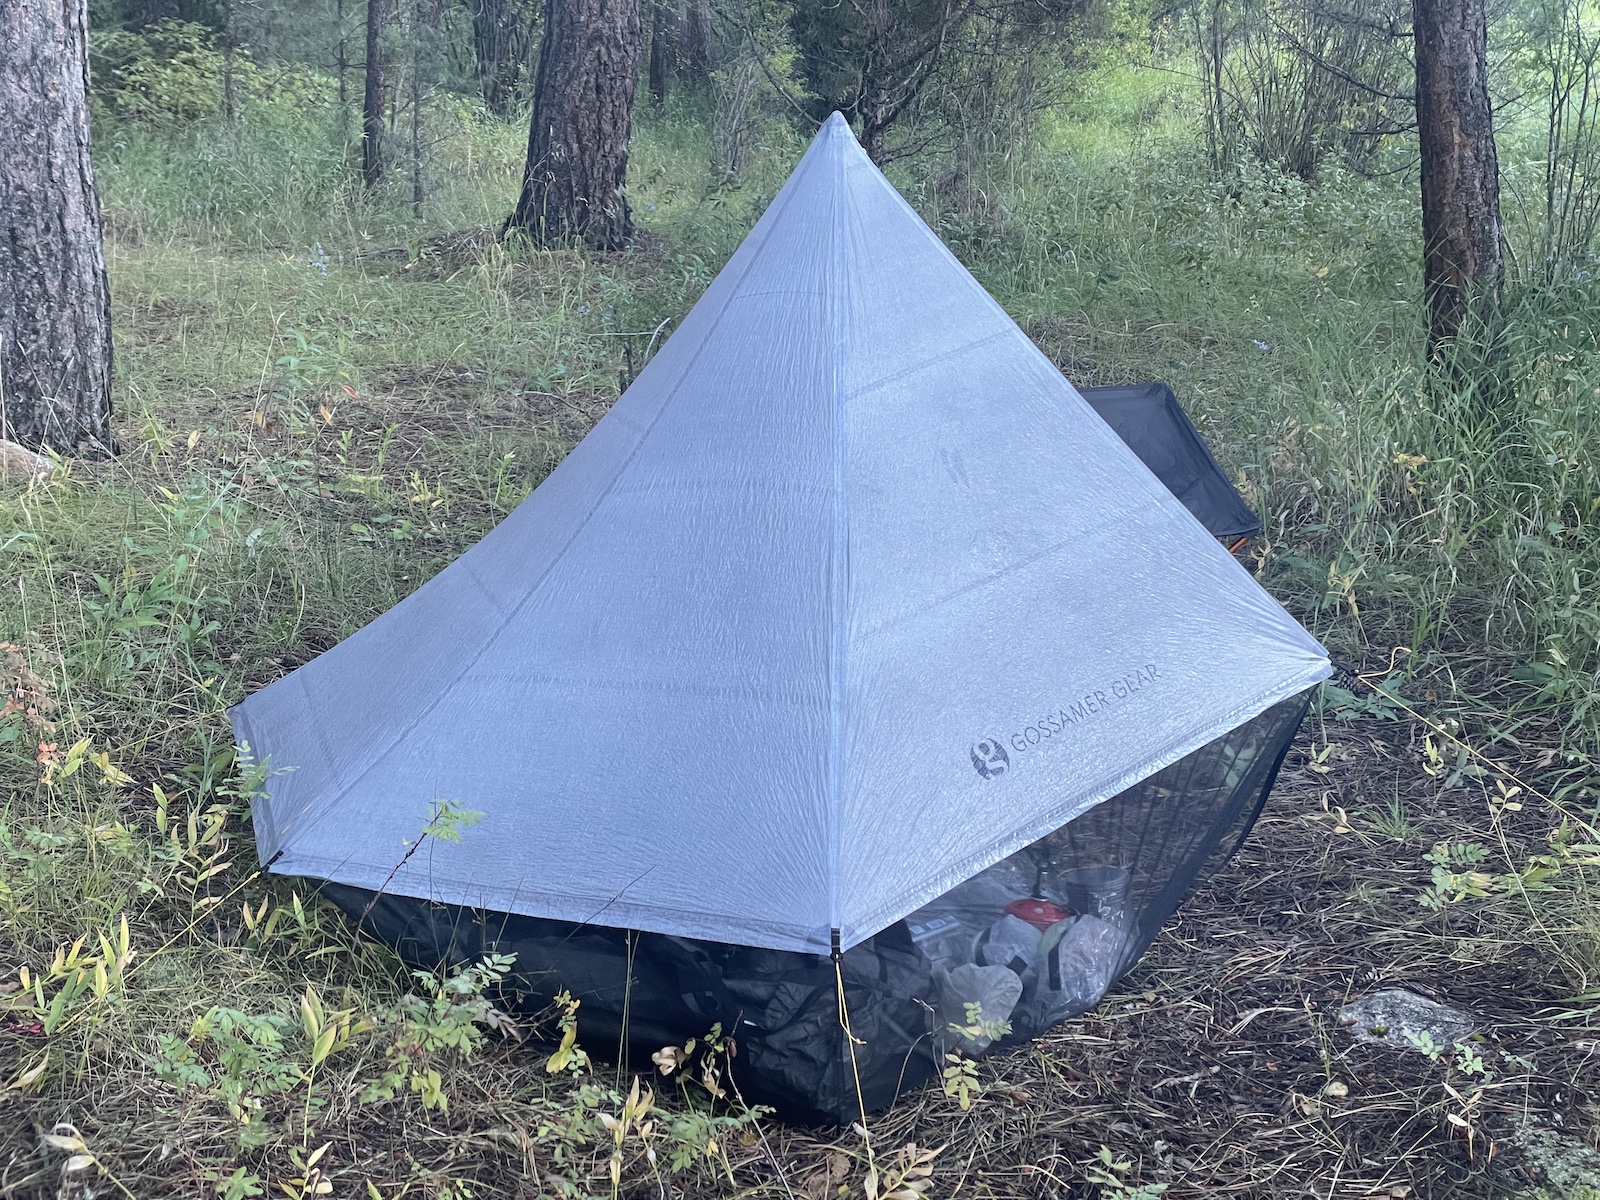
341 61
372 99
1461 231
55 304
574 183
501 33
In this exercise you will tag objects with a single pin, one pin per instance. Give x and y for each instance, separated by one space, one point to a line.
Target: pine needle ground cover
323 398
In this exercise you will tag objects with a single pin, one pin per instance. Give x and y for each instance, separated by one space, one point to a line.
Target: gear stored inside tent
814 648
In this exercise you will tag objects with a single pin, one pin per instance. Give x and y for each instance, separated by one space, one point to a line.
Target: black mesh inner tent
1035 939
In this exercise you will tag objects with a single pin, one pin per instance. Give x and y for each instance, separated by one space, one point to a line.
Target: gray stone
1400 1019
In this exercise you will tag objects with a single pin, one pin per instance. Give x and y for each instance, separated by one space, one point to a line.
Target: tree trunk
416 131
55 305
663 46
230 46
574 183
874 135
372 98
423 36
1461 233
501 32
341 62
694 55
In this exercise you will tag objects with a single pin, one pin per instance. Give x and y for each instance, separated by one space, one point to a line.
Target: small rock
1398 1018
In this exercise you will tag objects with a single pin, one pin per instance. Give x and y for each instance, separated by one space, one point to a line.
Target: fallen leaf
70 1142
30 1076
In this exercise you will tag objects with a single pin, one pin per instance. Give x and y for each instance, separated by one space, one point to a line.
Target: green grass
304 444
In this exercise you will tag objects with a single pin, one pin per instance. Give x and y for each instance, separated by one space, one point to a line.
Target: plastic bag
1075 963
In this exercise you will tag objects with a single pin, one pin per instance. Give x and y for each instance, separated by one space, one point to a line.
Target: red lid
1041 914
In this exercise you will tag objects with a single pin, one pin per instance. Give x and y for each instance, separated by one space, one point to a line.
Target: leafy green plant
1341 704
241 1060
75 982
1110 1174
1449 769
960 1074
568 1055
446 1017
1454 876
145 622
633 1119
309 1180
701 1129
170 70
907 1176
241 1184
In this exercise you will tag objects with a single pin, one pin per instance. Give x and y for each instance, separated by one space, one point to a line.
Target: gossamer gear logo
990 755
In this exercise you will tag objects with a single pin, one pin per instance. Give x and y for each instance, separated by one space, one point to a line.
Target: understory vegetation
325 395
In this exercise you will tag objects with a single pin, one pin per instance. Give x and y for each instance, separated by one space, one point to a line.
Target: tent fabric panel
651 831
326 720
937 459
915 315
1045 612
334 713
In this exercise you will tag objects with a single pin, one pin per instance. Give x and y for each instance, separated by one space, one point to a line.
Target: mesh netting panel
1065 917
1035 939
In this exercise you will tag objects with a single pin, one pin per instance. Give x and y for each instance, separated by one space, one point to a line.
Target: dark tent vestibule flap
1148 417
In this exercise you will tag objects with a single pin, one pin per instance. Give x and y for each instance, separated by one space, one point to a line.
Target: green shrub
171 70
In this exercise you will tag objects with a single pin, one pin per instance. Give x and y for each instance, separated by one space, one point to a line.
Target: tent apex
837 124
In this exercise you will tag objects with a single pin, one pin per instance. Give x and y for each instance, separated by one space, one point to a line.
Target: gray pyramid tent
849 603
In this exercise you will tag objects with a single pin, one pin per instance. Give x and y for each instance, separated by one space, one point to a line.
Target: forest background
333 372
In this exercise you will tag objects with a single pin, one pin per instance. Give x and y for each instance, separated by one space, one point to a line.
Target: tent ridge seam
975 585
841 529
867 389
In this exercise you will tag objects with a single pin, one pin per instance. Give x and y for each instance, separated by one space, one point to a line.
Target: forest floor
309 434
